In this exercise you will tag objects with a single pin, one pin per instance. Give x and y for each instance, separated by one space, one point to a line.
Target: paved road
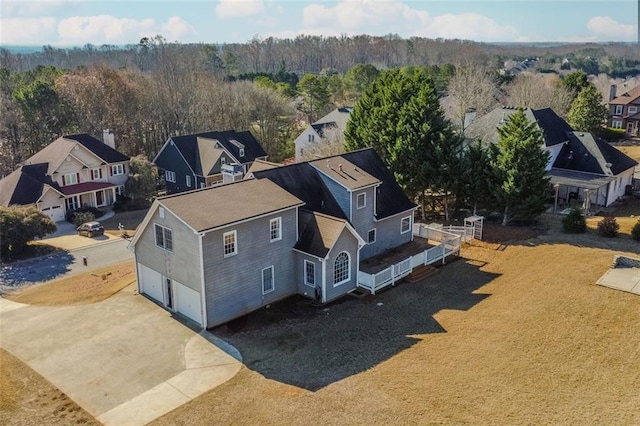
64 262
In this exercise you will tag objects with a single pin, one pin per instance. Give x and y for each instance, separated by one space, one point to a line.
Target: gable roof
587 153
319 232
260 165
390 198
26 185
213 207
338 118
303 181
554 127
345 173
192 146
627 97
55 153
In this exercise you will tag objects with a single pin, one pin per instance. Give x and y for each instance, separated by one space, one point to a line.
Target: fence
449 244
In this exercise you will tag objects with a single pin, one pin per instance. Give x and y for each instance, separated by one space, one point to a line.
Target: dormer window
241 152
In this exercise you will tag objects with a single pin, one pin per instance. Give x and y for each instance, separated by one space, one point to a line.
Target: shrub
635 231
71 214
574 222
608 227
78 218
19 225
611 134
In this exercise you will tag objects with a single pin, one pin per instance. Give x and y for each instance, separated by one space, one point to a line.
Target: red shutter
78 177
100 172
110 170
124 168
63 181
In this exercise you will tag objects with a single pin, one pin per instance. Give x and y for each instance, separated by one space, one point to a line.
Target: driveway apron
124 360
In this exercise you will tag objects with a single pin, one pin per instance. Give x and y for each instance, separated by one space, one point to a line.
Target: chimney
109 138
612 92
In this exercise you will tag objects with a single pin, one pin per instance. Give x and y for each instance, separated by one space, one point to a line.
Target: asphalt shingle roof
319 233
345 173
587 153
216 206
627 97
25 185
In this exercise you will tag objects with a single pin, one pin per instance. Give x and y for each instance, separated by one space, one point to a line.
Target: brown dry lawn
89 287
130 220
515 335
26 398
538 344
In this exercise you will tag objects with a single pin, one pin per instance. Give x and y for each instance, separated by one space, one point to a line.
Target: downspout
324 280
203 310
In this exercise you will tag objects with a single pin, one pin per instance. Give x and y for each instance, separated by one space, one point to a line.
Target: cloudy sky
78 22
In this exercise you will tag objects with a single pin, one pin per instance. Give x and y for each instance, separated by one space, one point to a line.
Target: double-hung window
230 244
164 237
633 109
96 174
405 225
70 179
117 169
188 180
267 280
371 236
619 109
170 176
309 273
361 200
275 229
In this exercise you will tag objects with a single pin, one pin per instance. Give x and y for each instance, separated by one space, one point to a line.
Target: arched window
341 269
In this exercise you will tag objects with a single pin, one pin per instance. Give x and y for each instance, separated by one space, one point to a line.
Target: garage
187 302
54 212
151 283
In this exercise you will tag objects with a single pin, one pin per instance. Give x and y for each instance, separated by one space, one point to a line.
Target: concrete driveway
124 360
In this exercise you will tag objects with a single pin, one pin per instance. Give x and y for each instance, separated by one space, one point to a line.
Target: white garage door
151 283
54 212
187 302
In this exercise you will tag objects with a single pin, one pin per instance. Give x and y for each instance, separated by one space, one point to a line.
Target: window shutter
63 181
100 169
124 168
77 177
110 170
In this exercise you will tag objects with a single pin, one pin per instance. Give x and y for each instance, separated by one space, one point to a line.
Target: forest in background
155 89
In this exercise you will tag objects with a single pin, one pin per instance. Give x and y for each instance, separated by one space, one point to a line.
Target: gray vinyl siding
388 235
234 284
183 264
171 159
304 289
362 221
339 192
346 242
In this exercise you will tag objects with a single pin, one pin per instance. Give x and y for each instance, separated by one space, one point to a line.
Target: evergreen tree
478 176
399 115
519 163
587 112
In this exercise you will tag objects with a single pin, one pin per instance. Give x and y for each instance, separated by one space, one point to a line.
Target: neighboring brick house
71 172
624 110
220 252
206 159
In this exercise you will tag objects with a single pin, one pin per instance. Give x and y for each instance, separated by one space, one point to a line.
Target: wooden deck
390 257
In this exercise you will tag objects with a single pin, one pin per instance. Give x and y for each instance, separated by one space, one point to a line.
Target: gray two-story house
198 160
220 252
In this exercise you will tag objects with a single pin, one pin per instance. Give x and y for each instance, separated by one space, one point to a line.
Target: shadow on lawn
35 270
311 347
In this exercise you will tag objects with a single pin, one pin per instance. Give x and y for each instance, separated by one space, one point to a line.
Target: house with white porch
71 172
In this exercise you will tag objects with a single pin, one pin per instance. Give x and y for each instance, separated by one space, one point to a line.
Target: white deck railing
449 244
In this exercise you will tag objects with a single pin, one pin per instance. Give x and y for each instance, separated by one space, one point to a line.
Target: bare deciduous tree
471 88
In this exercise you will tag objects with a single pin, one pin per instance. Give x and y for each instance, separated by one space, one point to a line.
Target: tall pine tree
519 163
587 112
399 115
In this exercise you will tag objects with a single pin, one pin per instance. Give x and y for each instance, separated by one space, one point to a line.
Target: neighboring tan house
71 172
581 164
328 129
205 159
218 253
624 110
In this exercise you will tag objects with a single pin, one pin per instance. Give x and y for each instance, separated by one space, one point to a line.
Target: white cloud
607 29
467 26
239 8
22 31
107 29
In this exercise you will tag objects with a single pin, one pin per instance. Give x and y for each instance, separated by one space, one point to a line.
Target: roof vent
340 167
570 155
607 165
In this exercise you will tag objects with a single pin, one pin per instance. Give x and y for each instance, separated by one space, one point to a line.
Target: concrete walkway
625 279
124 360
